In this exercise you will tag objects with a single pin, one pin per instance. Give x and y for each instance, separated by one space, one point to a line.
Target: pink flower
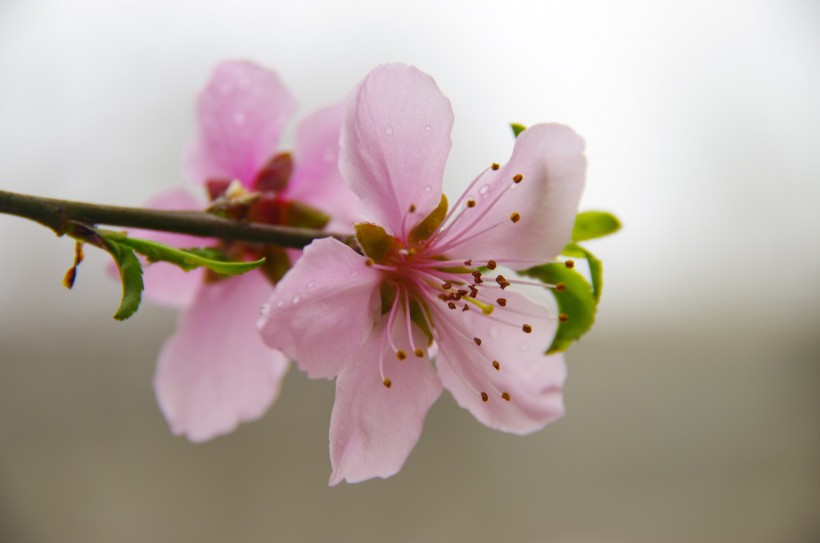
215 371
429 279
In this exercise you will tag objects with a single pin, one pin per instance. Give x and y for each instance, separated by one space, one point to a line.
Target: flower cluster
430 301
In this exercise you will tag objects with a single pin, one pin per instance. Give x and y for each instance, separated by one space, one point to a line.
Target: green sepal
430 224
375 242
276 263
576 301
517 128
301 215
187 259
594 224
596 267
417 311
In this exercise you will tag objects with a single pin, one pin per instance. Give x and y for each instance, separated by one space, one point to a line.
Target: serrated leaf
594 224
187 259
517 128
596 267
131 275
575 300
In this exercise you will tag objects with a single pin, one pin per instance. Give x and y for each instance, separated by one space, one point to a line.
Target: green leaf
594 224
131 274
375 241
430 224
596 267
575 301
517 128
187 259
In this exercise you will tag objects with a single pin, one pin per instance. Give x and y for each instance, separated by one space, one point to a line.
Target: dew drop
280 303
263 309
428 188
484 190
389 129
524 346
310 284
296 299
427 128
494 332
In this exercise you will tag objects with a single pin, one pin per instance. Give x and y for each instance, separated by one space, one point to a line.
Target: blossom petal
373 428
316 179
241 113
550 159
395 142
165 283
323 309
532 380
215 371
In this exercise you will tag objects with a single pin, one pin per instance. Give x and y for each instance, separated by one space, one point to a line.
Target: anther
447 285
506 396
387 382
502 282
465 308
569 264
517 178
477 340
502 302
515 217
563 317
400 354
496 365
495 166
484 397
468 263
368 262
451 305
473 291
527 328
462 292
412 208
443 297
560 287
418 352
491 264
470 203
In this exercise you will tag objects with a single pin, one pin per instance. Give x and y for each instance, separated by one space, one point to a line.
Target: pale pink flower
429 281
215 371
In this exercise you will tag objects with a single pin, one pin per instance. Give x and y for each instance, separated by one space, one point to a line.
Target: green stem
56 214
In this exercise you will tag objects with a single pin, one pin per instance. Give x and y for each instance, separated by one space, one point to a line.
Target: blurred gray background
693 408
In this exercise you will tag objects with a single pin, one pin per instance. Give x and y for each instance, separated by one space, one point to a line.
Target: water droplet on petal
484 190
428 188
389 129
280 303
310 284
524 346
296 299
494 332
427 128
263 309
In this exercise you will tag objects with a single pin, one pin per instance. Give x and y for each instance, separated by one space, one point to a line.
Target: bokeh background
693 407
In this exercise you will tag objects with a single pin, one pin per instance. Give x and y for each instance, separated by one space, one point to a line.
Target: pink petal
395 141
165 283
550 158
373 428
241 113
316 179
323 309
532 380
215 371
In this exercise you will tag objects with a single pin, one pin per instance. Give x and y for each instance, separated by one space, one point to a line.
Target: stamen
502 282
502 302
412 208
491 264
388 383
465 308
527 328
468 263
447 285
484 397
496 365
418 352
401 354
517 178
451 305
515 217
506 396
560 287
569 264
563 317
477 341
368 262
495 166
470 203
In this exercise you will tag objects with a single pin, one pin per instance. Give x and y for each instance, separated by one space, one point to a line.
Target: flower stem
56 214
